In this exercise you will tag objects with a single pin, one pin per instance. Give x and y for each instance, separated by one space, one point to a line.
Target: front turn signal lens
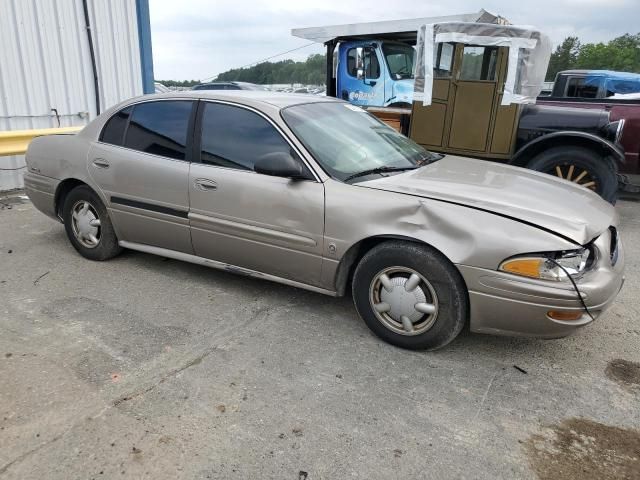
527 267
564 316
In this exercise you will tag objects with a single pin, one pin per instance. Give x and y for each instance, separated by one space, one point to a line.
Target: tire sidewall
108 245
600 168
433 266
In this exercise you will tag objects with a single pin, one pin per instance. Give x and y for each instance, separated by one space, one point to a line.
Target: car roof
246 85
248 97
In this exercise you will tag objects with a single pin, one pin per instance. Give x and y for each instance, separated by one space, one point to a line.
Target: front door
368 88
475 89
269 224
141 165
466 116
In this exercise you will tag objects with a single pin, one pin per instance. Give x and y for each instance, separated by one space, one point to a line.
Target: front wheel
410 295
581 166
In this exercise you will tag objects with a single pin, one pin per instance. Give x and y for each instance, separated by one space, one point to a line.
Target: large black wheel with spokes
581 166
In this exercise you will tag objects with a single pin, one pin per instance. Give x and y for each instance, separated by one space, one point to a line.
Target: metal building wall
45 64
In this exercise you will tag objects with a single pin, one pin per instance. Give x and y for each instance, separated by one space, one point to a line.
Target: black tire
599 170
446 282
107 245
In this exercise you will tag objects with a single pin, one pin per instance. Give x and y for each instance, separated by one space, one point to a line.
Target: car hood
541 200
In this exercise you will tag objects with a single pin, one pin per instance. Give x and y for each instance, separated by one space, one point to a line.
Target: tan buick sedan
318 194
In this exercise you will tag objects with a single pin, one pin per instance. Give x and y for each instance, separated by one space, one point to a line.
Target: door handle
100 163
205 185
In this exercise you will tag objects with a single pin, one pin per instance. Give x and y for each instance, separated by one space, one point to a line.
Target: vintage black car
478 98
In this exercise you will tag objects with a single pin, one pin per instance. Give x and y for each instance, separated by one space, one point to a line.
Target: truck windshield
346 140
399 59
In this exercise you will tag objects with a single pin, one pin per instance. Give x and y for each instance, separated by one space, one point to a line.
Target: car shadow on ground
342 307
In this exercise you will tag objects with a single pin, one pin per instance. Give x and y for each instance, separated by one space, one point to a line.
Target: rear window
113 131
160 128
581 88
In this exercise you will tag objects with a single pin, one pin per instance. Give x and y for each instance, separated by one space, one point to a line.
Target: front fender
569 138
464 235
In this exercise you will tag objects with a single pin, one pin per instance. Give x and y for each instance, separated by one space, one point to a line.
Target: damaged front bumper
506 304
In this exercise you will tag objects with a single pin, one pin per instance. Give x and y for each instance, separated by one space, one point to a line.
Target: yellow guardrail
15 142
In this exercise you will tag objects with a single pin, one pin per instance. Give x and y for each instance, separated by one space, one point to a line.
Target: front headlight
549 266
613 130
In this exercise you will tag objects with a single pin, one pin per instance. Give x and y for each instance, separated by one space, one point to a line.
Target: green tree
311 71
621 54
564 58
179 83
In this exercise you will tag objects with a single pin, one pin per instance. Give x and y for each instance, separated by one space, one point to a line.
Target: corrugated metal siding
45 63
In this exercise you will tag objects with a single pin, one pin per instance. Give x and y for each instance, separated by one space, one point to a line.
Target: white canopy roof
412 25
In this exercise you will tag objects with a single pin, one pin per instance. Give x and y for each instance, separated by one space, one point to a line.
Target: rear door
141 163
476 84
264 223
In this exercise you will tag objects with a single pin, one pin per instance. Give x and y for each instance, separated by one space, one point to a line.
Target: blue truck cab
375 73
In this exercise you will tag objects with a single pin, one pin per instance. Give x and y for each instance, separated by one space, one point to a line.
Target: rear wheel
581 166
410 295
88 225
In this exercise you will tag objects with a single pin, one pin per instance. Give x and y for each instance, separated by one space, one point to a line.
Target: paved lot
142 367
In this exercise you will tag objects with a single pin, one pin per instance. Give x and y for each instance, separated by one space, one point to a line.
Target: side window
371 64
577 87
113 131
479 63
234 137
352 62
614 85
160 128
443 60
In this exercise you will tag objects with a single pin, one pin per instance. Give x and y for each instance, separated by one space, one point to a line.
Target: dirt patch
625 372
583 449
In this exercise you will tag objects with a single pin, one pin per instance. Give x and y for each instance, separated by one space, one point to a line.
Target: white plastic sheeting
529 53
45 64
386 27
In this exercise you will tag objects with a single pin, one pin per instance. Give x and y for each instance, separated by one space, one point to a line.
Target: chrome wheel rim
85 224
575 174
403 300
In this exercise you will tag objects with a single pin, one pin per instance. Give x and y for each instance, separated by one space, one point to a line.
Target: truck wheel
579 165
410 295
88 225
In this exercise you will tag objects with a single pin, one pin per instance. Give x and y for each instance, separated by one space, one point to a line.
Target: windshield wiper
429 158
371 171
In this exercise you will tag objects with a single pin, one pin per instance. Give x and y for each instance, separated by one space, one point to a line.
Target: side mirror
280 164
360 63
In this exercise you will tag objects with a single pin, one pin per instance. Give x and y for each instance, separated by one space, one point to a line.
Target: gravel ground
143 367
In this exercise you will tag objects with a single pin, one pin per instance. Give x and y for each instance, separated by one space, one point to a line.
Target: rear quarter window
113 131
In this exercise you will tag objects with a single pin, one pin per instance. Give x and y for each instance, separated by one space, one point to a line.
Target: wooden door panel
503 129
427 123
471 115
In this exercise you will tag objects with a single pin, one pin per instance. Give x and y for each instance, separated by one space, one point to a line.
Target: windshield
346 140
400 60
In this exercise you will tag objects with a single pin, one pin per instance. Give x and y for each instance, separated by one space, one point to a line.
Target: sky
197 39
